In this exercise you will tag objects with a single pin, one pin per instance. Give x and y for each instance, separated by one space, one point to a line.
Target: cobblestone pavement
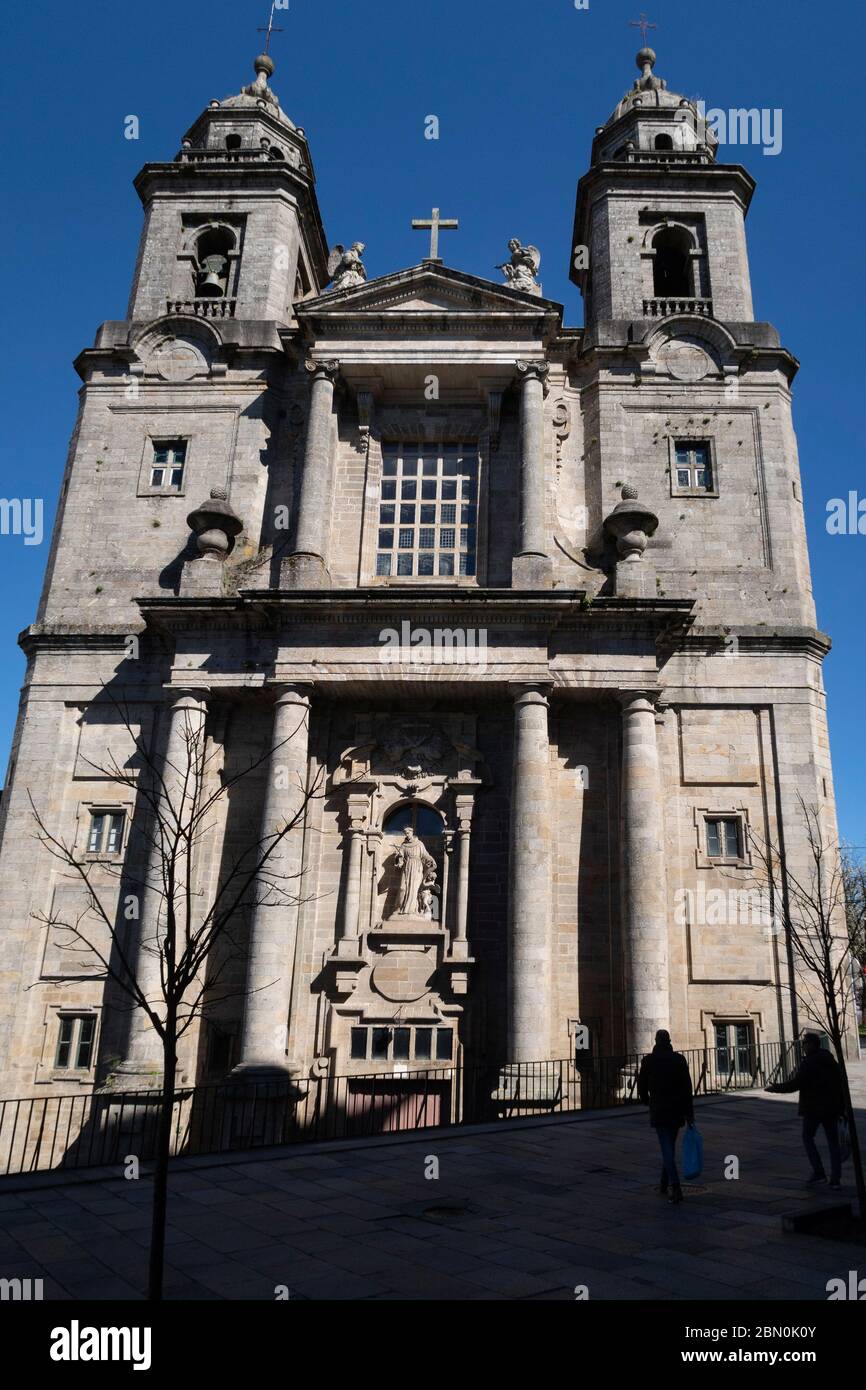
521 1210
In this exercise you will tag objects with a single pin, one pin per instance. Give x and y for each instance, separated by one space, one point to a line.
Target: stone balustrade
663 308
216 308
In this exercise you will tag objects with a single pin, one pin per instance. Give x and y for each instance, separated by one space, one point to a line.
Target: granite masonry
528 605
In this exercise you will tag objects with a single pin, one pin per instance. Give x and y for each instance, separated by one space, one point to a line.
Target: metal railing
44 1133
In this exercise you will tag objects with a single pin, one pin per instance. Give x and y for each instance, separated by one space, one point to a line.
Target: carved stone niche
417 776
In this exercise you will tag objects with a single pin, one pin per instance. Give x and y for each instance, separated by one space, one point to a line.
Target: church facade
512 622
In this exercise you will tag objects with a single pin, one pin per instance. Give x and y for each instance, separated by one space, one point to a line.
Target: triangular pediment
427 289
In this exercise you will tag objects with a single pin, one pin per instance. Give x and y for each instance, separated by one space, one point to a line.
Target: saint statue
521 271
417 871
345 268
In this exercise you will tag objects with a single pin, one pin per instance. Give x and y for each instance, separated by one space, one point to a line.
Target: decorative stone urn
215 524
631 524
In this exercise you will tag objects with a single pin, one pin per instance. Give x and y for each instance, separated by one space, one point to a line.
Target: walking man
665 1086
819 1081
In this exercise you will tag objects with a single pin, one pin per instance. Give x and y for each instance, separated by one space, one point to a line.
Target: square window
389 491
386 540
428 515
389 466
428 489
407 538
683 477
76 1035
169 457
407 514
446 537
425 563
430 466
387 515
410 465
383 564
105 835
448 514
724 838
449 489
446 564
409 489
404 564
427 537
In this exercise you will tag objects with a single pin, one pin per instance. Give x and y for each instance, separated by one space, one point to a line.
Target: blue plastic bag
693 1153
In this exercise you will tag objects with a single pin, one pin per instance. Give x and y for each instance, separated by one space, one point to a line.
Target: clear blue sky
518 89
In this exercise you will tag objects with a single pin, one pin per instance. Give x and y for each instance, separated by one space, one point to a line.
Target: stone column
307 566
529 885
645 929
532 567
187 711
274 925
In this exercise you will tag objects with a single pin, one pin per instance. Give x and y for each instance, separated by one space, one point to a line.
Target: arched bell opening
213 262
673 277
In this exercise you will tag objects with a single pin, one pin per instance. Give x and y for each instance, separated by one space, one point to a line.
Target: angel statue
417 872
345 269
521 271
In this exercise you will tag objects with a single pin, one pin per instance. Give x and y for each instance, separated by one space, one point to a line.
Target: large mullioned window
428 511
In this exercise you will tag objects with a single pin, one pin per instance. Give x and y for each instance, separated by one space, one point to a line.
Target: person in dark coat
664 1084
819 1081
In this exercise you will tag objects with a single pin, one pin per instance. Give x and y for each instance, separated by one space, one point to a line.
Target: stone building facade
528 606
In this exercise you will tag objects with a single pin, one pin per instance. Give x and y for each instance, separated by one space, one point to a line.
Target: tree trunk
160 1173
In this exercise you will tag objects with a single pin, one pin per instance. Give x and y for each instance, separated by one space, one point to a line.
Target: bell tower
232 226
659 225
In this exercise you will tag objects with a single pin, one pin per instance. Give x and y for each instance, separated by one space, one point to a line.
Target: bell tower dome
232 226
660 224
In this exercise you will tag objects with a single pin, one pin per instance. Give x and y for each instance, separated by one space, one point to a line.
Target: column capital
291 692
533 371
329 370
531 695
637 701
186 696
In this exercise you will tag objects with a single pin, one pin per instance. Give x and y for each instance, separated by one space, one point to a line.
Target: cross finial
434 225
271 29
644 25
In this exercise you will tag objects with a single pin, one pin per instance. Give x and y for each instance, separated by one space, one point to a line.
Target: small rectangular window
725 838
401 1044
381 1039
105 835
76 1035
694 471
423 1044
359 1044
444 1044
169 460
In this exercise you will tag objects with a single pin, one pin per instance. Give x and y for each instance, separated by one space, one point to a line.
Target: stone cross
434 225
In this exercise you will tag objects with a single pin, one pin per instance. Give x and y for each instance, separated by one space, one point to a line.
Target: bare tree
187 938
810 908
854 877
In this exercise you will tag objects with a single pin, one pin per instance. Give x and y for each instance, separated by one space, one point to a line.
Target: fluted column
645 931
273 929
183 753
308 566
529 926
532 567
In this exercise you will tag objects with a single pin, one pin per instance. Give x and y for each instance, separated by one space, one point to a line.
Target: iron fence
43 1133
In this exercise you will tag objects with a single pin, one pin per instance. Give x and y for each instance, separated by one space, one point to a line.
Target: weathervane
644 25
271 29
434 225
